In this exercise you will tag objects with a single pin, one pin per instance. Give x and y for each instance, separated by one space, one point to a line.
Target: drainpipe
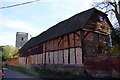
109 45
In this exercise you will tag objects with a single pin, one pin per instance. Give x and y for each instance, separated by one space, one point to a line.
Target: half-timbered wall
71 48
95 34
62 50
66 49
95 43
22 60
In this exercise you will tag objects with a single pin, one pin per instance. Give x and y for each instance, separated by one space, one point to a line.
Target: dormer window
101 18
22 39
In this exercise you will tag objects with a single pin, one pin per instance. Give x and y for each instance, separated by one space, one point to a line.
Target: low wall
99 65
12 61
95 65
75 69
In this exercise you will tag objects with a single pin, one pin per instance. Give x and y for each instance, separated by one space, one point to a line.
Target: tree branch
108 6
113 4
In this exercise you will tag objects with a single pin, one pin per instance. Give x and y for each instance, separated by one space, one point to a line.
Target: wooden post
53 51
82 44
75 48
37 58
26 60
99 45
53 57
68 49
63 48
49 57
42 52
45 55
49 53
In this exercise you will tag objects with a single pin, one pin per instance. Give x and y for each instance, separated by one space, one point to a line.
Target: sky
34 18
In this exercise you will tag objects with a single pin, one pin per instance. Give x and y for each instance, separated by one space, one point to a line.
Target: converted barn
69 41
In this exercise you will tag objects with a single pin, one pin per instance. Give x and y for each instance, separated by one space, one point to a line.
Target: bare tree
110 7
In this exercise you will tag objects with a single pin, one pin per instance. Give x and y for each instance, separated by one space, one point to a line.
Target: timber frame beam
86 34
82 44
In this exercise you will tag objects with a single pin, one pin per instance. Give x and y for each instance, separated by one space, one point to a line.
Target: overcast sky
36 17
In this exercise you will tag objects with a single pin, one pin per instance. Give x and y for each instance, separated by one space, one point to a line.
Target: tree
116 36
8 52
110 7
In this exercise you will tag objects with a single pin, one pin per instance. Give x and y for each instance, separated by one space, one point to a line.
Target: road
14 74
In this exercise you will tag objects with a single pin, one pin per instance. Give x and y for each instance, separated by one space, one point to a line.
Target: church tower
21 39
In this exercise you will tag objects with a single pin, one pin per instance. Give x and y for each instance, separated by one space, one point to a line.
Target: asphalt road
14 74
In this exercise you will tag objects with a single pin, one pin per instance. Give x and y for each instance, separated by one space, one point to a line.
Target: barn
69 41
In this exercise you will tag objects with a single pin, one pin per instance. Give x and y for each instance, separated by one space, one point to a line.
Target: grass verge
46 73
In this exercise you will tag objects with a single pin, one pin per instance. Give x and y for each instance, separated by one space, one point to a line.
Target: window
101 18
22 39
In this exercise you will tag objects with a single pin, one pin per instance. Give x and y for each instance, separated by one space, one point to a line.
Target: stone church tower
21 39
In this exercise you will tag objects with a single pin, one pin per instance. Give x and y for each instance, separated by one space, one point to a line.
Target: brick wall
13 61
102 64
